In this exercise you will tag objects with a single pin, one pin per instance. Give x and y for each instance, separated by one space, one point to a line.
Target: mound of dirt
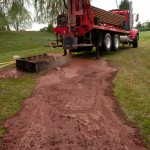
71 109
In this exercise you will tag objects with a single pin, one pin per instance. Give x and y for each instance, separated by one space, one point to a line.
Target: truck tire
115 42
107 42
135 42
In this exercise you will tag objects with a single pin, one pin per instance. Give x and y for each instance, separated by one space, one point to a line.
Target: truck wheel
107 42
135 42
115 42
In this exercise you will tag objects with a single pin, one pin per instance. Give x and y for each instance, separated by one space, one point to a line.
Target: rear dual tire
111 42
115 42
107 42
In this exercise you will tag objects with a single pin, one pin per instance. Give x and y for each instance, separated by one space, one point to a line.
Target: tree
50 28
144 26
117 4
6 7
48 10
3 21
18 16
139 26
43 29
47 29
3 15
148 25
124 5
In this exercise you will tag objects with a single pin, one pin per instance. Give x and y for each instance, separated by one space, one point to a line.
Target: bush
43 29
47 29
2 28
50 28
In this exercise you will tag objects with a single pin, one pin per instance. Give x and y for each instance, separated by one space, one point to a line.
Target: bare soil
11 73
72 109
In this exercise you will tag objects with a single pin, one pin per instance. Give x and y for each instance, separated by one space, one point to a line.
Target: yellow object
4 64
7 64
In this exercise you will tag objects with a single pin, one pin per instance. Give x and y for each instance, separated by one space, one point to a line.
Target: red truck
84 27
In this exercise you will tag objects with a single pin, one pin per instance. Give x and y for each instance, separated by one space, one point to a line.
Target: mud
11 73
72 109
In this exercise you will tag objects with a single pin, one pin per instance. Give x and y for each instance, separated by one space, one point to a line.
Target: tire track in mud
71 109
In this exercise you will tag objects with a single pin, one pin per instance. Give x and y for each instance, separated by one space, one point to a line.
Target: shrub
50 28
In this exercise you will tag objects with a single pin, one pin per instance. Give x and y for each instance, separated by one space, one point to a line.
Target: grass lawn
132 83
17 43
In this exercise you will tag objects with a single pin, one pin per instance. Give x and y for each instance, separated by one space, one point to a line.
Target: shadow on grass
92 53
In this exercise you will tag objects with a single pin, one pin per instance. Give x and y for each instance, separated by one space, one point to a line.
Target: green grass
132 84
17 43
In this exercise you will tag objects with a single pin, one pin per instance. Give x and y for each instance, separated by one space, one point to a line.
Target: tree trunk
8 28
17 25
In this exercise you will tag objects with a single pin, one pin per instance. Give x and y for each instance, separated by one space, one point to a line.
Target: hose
4 64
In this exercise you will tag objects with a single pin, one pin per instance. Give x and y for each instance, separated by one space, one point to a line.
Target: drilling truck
84 27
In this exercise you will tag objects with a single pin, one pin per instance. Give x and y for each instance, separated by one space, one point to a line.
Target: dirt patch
11 73
71 109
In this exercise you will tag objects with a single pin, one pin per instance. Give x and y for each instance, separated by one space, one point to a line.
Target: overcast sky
139 6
